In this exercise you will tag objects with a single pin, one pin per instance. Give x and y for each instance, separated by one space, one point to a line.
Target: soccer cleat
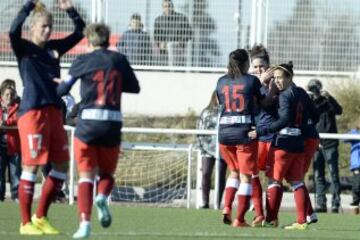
311 218
226 216
271 224
237 223
257 222
297 226
83 231
29 229
44 225
104 215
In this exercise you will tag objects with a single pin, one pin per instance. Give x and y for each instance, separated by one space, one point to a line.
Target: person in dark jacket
328 153
172 31
135 43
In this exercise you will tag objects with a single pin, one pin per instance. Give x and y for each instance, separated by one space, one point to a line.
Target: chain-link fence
317 35
62 25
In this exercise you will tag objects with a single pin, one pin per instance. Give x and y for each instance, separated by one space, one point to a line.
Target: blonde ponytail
40 11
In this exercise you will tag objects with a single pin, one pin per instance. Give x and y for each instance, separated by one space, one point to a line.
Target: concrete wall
166 93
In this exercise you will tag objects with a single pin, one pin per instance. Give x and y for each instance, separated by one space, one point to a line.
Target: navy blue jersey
237 101
268 114
292 118
309 130
104 76
39 66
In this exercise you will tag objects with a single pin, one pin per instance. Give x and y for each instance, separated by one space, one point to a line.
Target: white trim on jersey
101 115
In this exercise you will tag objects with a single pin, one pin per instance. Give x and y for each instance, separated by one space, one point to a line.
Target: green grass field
139 223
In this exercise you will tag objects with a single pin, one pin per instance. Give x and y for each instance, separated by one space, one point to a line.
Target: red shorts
240 157
89 157
282 164
311 145
43 137
263 154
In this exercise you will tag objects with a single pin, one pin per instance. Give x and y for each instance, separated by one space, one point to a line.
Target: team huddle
281 141
104 76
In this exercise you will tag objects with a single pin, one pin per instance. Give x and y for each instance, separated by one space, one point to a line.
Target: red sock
273 201
229 197
85 199
257 196
232 185
309 208
244 204
105 184
26 193
49 190
301 202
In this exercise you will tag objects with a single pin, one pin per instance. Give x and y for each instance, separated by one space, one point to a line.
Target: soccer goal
156 174
153 173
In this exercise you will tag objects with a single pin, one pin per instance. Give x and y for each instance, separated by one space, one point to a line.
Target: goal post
152 173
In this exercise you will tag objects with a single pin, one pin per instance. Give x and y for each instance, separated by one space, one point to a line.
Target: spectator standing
208 120
327 153
172 32
135 42
205 48
9 142
355 169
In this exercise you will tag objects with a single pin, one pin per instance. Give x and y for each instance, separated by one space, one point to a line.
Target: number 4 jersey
104 76
237 100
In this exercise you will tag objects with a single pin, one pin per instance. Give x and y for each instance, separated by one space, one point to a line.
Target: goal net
154 174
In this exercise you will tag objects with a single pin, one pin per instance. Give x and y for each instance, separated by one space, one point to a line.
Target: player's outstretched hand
65 4
252 134
266 77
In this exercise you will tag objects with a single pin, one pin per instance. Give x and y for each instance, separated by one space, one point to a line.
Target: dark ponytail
237 62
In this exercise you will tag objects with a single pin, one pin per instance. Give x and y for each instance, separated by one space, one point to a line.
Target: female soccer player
236 92
42 134
260 63
104 76
287 149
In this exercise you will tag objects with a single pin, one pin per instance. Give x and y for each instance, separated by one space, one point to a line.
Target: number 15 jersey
237 100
